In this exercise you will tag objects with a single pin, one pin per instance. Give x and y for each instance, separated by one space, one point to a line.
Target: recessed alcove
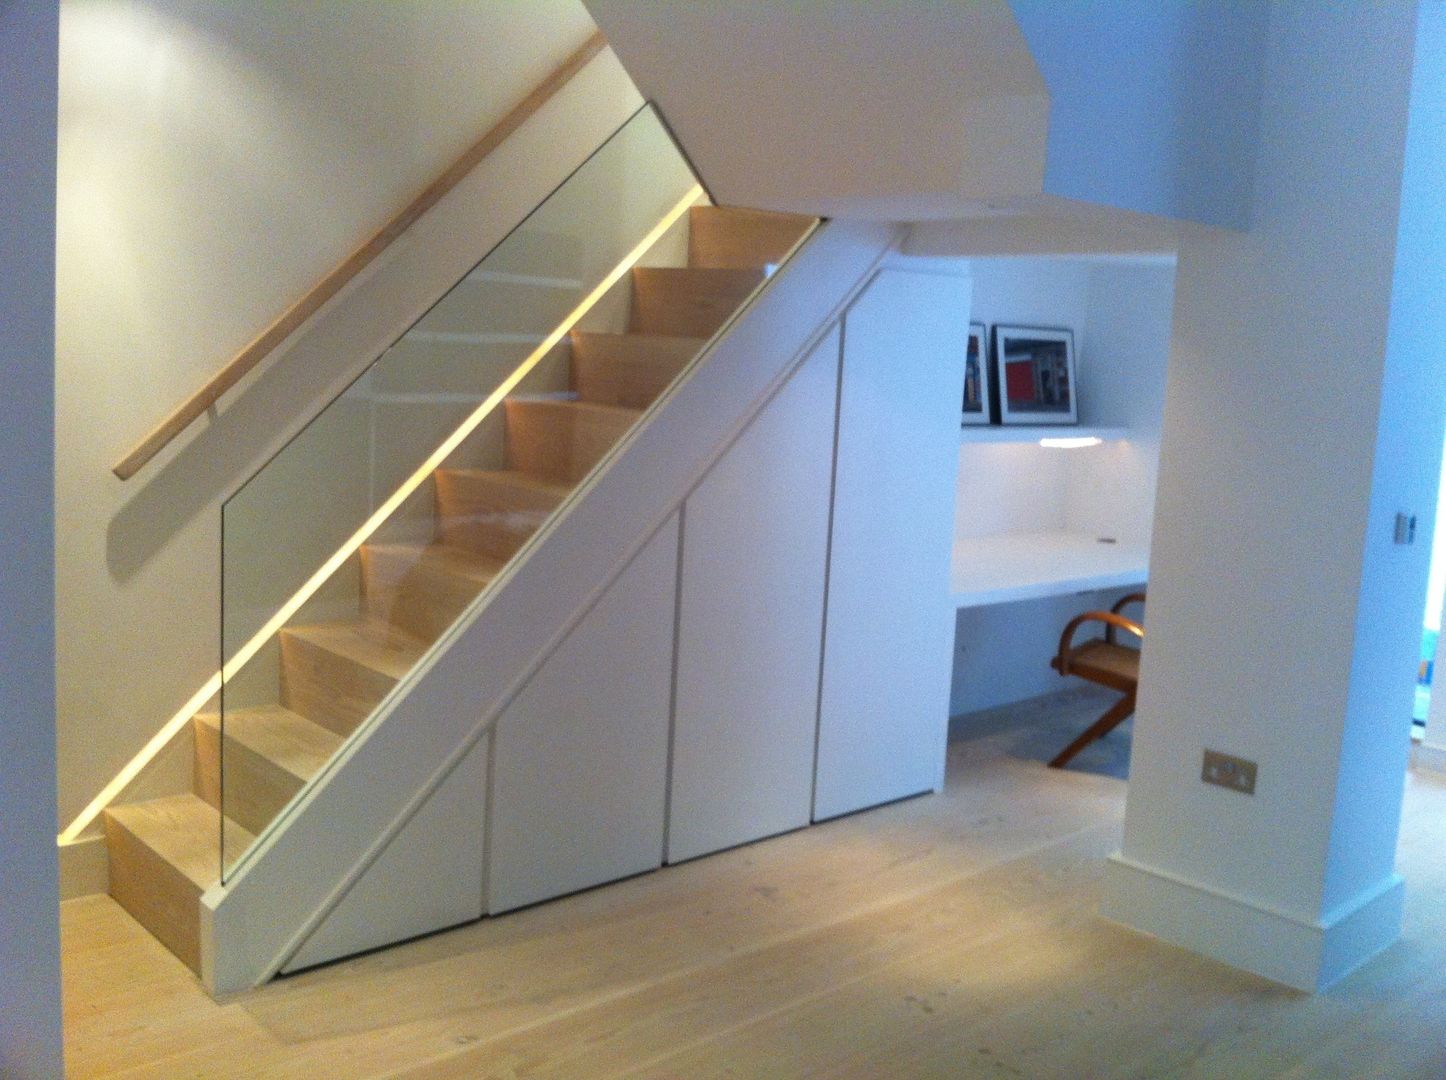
1042 532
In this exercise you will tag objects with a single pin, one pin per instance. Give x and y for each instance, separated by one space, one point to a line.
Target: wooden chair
1104 661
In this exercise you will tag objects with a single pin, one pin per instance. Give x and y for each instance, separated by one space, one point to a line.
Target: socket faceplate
1234 773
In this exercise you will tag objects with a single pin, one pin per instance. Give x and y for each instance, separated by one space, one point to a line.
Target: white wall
1284 623
1153 106
215 160
29 934
1122 384
1120 312
1021 488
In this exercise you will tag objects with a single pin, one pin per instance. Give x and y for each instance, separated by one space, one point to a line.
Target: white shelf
1002 433
1027 566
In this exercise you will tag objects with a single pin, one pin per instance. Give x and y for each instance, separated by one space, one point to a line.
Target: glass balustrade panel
354 548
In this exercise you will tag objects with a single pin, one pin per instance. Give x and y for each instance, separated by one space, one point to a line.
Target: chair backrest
1119 608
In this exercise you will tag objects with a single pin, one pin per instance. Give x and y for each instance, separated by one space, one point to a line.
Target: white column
29 891
1303 411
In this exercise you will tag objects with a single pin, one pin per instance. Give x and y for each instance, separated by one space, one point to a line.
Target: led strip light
212 685
1071 443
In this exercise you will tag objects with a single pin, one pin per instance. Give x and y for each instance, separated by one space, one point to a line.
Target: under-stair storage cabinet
579 774
751 622
884 708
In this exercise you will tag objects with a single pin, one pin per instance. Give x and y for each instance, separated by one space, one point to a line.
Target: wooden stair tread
628 369
688 301
731 236
283 737
717 277
632 342
185 831
371 644
493 512
420 589
571 405
443 558
513 478
561 440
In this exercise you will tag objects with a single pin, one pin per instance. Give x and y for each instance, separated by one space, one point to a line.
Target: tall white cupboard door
884 712
579 777
755 543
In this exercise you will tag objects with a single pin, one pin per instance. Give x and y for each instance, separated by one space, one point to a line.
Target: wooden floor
951 936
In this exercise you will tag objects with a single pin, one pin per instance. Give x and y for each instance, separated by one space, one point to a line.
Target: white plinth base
1299 953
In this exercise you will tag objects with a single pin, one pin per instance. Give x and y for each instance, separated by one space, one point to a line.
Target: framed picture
976 375
1033 379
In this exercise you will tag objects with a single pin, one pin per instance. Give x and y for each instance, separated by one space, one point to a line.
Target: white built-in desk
1027 566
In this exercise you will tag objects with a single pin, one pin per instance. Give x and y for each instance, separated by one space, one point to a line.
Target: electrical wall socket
1234 773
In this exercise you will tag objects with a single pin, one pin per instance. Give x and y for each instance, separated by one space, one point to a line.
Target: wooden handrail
293 317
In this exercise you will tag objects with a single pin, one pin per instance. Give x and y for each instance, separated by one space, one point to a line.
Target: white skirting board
1305 954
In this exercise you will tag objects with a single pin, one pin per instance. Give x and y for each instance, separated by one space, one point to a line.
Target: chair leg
1116 715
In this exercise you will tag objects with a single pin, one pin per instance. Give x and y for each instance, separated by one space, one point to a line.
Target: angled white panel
890 111
581 762
884 713
751 621
428 877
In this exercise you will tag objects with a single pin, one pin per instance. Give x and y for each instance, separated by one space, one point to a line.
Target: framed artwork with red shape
976 376
1034 376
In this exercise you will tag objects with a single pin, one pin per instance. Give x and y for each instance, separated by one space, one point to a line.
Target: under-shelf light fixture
1073 442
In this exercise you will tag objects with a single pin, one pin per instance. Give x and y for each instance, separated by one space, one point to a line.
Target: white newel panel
580 773
884 712
751 618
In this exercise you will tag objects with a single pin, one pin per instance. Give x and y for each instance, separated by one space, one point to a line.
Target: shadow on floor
1037 729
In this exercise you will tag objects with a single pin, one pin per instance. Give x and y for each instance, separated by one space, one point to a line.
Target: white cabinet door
580 774
884 713
755 542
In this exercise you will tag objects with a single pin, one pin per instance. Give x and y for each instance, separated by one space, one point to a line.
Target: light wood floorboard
950 936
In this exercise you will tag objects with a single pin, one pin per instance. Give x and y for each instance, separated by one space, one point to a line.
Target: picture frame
976 408
1033 376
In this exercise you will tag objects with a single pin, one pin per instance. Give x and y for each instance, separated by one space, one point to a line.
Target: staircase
165 852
